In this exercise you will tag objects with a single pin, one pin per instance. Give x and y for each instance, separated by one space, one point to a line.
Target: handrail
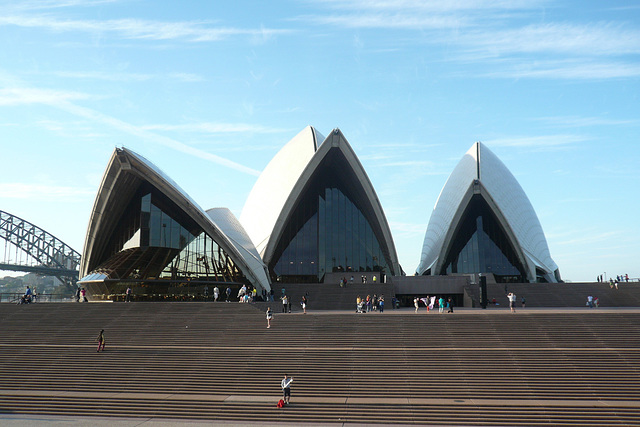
15 297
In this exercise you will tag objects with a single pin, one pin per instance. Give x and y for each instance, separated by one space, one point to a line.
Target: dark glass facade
480 245
160 249
330 229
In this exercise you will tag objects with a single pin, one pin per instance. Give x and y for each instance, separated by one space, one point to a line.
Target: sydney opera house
313 211
483 222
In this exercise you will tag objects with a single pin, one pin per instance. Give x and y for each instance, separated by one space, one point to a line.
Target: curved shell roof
479 163
335 141
229 224
125 171
271 190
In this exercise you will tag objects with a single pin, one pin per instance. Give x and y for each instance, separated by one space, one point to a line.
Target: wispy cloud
411 14
406 228
127 77
581 68
540 142
408 163
433 6
62 101
602 39
588 238
26 5
581 122
43 192
26 96
192 31
216 128
381 20
101 75
491 32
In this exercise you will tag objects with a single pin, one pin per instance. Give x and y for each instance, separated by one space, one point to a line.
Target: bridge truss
29 248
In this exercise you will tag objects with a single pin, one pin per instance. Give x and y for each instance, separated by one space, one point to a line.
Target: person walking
128 295
415 304
284 303
450 305
216 294
228 292
441 305
381 303
286 388
100 340
28 294
269 317
512 301
304 304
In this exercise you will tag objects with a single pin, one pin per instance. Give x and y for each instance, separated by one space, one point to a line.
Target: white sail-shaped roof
270 192
482 169
335 142
229 224
125 171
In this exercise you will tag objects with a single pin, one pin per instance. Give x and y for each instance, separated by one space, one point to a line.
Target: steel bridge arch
49 255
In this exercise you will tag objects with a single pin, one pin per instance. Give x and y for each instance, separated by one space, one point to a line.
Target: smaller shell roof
480 163
227 222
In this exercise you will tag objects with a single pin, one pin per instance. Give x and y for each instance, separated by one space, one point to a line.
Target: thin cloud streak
589 239
19 190
431 6
141 29
216 128
56 4
60 100
26 96
581 122
574 69
126 77
384 21
546 141
98 75
596 39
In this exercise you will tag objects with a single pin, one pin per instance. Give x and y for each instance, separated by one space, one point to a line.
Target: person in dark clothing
450 305
101 341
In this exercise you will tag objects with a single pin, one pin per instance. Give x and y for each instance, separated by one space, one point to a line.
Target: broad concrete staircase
567 294
330 296
219 362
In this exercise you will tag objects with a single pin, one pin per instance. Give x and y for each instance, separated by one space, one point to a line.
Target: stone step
530 368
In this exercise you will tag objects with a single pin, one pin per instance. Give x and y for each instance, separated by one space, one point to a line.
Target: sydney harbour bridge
28 248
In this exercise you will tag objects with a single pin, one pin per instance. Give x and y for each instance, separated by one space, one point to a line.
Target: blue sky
210 91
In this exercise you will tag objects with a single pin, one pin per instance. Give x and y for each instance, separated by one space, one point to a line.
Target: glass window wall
480 245
328 232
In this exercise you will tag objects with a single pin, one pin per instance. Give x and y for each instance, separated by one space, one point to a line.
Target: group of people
29 296
286 307
430 303
286 303
593 301
619 278
81 295
365 305
246 295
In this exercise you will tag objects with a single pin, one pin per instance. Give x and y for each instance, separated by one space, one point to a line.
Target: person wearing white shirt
286 388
